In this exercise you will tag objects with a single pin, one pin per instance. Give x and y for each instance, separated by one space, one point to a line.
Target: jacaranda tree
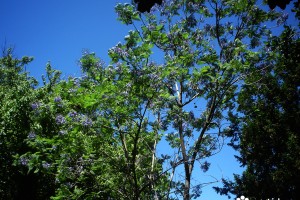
204 50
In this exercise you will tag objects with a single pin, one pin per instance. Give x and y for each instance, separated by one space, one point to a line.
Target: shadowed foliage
146 5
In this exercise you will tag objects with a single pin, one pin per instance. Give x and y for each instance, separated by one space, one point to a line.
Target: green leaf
204 69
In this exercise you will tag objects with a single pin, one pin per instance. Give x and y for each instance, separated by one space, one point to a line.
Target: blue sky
59 30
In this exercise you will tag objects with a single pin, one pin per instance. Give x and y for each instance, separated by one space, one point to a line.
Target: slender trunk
152 178
187 184
171 179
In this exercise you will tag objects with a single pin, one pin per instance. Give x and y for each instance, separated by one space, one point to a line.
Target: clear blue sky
59 30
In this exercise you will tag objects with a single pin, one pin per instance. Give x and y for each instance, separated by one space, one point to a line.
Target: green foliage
16 95
126 13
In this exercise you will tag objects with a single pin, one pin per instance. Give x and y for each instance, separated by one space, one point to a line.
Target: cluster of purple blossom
73 115
46 165
85 77
151 27
35 105
62 132
118 50
199 35
24 161
57 99
31 135
72 90
76 117
60 120
267 49
193 6
87 122
68 184
118 68
76 82
153 76
128 85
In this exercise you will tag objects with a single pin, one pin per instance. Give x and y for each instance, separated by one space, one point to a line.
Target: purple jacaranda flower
69 185
62 132
57 99
87 122
118 66
31 135
193 6
184 125
24 161
151 27
72 90
60 120
57 180
46 165
35 105
73 114
153 76
76 82
118 50
128 85
84 77
75 117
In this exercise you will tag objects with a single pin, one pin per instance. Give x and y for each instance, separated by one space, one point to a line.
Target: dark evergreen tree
269 140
